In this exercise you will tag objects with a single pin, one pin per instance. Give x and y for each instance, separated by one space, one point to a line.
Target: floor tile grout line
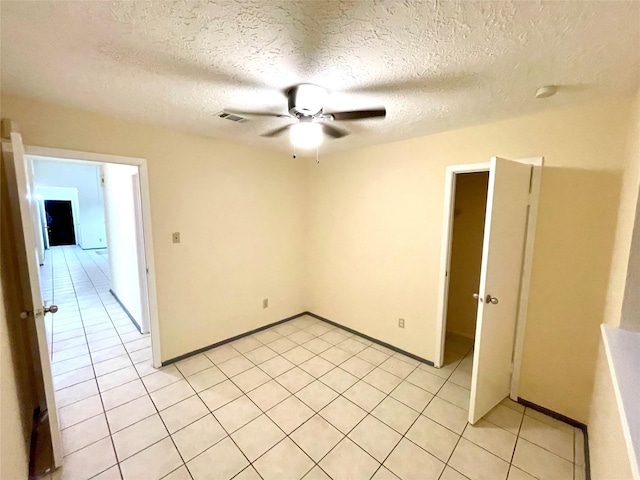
510 464
152 402
339 394
421 413
441 387
545 449
460 436
100 396
317 378
245 394
132 365
515 445
99 391
263 412
211 412
90 352
260 409
387 395
574 453
274 378
242 426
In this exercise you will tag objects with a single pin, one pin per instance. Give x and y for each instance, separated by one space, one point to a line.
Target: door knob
51 309
476 296
491 299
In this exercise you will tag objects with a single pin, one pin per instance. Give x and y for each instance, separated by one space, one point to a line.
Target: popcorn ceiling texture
435 65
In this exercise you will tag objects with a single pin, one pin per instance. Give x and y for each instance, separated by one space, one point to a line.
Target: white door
501 270
13 153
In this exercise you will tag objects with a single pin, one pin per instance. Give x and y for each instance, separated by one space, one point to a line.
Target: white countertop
623 355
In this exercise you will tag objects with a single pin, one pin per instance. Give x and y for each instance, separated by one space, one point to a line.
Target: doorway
488 231
111 256
90 343
470 202
59 217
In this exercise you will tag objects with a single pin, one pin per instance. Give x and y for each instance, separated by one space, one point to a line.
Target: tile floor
300 400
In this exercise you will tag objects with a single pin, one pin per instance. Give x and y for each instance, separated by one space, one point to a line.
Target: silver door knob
51 309
476 296
491 299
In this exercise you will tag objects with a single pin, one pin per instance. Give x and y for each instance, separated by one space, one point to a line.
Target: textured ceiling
435 65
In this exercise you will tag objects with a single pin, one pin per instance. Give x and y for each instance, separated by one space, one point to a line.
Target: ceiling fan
305 103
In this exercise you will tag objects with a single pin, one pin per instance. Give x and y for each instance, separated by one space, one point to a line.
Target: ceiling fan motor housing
306 99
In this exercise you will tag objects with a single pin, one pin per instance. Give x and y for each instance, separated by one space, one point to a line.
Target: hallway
94 345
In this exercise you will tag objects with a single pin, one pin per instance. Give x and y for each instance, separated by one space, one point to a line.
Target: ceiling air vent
232 116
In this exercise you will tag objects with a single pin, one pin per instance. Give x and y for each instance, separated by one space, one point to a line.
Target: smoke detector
546 91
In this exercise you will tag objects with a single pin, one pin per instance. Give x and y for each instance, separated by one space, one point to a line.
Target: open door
25 208
500 279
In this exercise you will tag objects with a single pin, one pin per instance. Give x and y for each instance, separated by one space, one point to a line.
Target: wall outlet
265 303
401 322
175 237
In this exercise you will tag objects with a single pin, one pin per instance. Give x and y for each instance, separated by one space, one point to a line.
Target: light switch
176 237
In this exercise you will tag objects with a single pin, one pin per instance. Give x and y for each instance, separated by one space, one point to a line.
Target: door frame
137 202
145 204
445 260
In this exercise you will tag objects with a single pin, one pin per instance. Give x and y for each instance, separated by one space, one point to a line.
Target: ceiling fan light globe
306 135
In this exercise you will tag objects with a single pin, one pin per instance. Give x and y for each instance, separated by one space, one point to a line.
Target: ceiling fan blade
359 114
276 132
334 132
257 114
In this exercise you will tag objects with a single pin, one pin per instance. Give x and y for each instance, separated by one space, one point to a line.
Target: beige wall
466 252
239 211
120 209
374 254
371 251
609 458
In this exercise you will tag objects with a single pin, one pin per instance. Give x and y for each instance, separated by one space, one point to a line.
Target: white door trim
445 260
142 274
445 251
141 163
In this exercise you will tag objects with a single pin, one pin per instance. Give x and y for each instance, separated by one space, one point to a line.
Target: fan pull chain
317 155
294 151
